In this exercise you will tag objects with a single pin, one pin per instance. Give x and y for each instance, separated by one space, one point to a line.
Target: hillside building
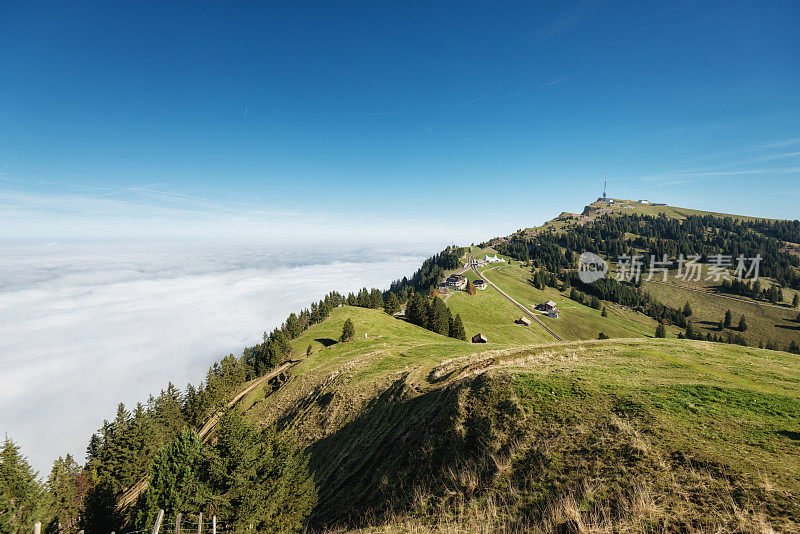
457 281
479 284
547 307
524 321
479 338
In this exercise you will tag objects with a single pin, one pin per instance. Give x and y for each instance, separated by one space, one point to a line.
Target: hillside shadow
789 434
326 341
397 447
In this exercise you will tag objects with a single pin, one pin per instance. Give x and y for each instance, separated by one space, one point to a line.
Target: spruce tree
687 309
293 326
376 298
65 491
728 319
439 317
604 313
742 324
660 331
21 495
796 301
348 331
391 305
457 330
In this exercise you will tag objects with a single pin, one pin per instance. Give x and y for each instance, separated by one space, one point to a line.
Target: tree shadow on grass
789 434
326 341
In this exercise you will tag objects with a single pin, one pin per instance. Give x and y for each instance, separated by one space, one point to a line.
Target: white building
493 259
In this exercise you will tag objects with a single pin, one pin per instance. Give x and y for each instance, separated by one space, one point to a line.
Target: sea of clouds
85 326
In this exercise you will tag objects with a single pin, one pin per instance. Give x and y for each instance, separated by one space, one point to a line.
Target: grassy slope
629 207
575 321
765 323
409 426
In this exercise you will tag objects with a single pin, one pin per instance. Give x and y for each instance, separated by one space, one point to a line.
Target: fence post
213 525
37 528
159 519
200 524
178 523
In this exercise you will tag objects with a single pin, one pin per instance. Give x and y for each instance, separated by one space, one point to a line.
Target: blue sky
458 121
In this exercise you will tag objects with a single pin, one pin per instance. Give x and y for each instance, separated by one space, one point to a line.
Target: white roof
551 303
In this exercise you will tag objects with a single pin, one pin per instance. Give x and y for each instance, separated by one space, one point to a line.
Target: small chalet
524 321
553 314
547 307
479 284
479 338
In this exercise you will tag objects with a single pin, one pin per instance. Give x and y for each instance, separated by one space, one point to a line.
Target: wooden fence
37 527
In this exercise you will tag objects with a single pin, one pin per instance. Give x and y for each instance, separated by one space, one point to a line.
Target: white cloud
84 327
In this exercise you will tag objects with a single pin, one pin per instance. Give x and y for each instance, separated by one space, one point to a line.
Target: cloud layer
84 327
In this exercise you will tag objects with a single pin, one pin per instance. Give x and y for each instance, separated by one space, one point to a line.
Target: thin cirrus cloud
726 168
155 211
83 327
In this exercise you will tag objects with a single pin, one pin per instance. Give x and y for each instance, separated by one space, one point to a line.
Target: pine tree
376 298
439 317
293 326
348 331
261 477
21 495
796 301
66 486
604 313
660 331
391 305
308 351
687 309
457 330
742 324
728 319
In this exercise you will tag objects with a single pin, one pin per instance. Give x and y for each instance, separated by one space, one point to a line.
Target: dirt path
130 496
512 301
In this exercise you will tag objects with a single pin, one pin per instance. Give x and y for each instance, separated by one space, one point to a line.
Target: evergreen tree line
434 315
250 478
753 289
245 477
656 236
